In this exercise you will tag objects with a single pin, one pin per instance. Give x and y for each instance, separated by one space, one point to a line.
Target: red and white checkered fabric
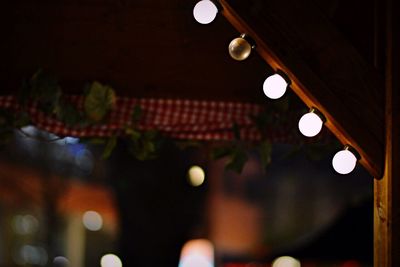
176 118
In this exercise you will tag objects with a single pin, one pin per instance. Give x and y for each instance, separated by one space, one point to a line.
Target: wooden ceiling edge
371 150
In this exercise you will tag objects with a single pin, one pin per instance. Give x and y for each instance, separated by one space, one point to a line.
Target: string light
310 124
240 48
205 11
345 160
275 86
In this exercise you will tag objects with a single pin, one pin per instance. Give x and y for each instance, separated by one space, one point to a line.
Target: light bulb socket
249 40
284 76
217 4
352 150
318 113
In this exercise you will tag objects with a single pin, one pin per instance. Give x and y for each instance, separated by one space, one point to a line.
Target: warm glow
344 161
32 255
196 176
310 124
239 49
205 11
92 220
275 86
286 261
25 224
197 253
110 260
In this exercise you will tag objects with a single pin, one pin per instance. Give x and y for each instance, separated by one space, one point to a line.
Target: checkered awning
176 118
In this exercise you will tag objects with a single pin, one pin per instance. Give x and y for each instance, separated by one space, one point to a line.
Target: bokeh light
110 260
92 220
25 224
196 176
61 261
197 253
286 261
33 255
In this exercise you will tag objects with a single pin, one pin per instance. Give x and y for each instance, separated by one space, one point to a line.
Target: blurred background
62 205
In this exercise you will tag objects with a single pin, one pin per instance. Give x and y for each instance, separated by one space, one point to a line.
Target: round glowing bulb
310 124
205 11
344 161
239 49
196 176
286 261
110 260
92 220
197 253
275 86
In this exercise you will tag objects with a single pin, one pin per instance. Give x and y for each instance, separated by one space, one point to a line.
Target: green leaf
22 119
220 152
237 160
262 120
182 145
24 94
294 151
265 150
133 134
93 141
6 118
69 114
110 145
44 89
151 134
5 137
319 151
146 145
282 105
236 131
136 114
99 100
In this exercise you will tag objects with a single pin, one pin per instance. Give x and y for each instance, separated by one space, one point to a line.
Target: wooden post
386 191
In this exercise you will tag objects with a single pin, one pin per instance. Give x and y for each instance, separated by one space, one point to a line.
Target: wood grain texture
387 190
325 70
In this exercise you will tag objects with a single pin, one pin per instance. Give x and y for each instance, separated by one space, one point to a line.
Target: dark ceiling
143 48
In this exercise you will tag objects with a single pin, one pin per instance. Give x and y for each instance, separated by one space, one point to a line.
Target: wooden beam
387 190
325 70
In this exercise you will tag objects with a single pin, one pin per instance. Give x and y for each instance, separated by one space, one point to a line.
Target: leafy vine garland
44 91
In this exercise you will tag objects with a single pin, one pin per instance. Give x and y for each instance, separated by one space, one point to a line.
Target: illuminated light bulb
110 260
286 261
92 220
196 176
344 161
197 253
240 48
274 86
205 11
310 124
